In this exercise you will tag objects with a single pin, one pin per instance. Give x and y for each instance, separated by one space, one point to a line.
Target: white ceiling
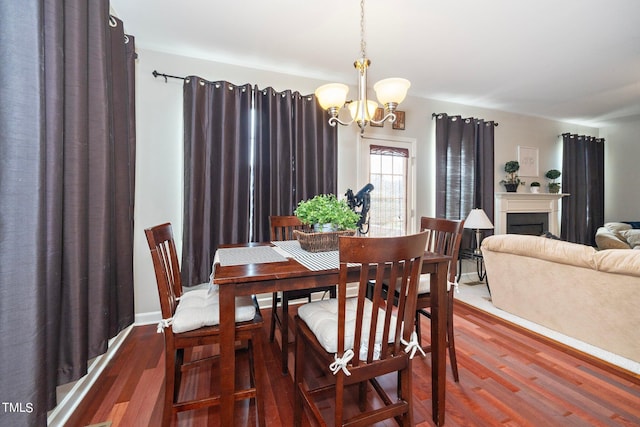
572 60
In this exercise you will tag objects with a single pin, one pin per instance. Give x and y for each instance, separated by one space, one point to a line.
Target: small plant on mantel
534 187
327 209
512 181
553 174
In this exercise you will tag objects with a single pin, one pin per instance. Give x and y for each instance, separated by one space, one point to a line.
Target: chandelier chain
363 44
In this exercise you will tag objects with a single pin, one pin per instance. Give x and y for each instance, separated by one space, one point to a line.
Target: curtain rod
433 115
156 74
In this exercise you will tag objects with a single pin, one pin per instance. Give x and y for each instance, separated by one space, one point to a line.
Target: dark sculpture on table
361 199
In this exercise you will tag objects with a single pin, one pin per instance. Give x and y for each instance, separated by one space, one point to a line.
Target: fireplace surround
528 203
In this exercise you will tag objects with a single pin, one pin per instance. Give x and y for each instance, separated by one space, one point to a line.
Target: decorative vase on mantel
554 187
511 188
511 181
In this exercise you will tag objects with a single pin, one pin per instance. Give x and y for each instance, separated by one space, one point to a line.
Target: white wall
622 174
159 146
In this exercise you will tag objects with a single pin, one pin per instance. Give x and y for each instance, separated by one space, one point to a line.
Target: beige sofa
617 235
590 295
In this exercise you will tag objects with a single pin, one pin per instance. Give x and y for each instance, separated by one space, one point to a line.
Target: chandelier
390 92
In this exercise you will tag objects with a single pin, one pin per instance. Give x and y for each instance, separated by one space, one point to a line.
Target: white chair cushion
322 319
200 307
209 286
424 286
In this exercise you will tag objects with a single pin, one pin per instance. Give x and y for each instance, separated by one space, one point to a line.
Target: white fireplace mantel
525 203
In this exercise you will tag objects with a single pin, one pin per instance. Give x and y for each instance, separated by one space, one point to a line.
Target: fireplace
533 223
536 213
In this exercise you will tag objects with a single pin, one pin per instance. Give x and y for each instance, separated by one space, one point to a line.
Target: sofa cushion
539 247
607 239
617 227
632 237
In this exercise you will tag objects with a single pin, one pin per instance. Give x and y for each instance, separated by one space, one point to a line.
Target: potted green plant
553 174
534 187
512 181
326 213
330 218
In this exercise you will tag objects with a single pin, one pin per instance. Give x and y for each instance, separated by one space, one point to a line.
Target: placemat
250 255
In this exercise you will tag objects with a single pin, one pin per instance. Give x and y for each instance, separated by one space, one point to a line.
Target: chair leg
274 314
418 329
298 380
170 393
405 390
257 375
284 331
450 340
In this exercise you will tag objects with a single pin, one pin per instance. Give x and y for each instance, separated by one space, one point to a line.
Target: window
388 165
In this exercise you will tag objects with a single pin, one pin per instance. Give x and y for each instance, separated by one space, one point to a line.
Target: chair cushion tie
455 285
164 323
341 362
412 346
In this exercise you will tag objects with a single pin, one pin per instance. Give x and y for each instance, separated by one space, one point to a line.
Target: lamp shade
332 95
392 90
354 109
478 220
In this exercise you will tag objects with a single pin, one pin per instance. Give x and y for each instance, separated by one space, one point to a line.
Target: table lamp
478 220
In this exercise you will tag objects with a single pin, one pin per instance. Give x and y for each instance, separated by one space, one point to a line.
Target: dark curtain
583 179
217 172
66 190
249 154
295 155
464 167
275 150
316 157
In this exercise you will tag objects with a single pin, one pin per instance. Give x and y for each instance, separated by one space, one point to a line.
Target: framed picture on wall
528 159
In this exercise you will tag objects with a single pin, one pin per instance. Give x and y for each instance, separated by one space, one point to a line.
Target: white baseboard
148 318
61 413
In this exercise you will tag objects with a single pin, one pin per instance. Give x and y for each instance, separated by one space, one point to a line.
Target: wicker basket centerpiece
325 209
320 242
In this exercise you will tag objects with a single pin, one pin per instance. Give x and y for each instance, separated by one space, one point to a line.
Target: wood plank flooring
508 377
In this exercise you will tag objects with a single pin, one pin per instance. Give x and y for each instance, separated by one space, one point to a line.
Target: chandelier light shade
332 95
356 111
390 92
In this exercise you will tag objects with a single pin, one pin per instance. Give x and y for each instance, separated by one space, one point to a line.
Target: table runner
315 261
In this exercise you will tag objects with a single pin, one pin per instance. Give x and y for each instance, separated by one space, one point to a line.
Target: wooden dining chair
282 228
190 319
356 341
444 238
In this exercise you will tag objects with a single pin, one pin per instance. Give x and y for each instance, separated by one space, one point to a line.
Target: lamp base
477 250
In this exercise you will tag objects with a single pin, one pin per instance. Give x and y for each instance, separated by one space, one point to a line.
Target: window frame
364 143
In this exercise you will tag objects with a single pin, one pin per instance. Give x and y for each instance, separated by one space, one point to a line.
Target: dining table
256 268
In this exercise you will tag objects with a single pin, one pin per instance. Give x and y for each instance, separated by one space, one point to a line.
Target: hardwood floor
508 377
